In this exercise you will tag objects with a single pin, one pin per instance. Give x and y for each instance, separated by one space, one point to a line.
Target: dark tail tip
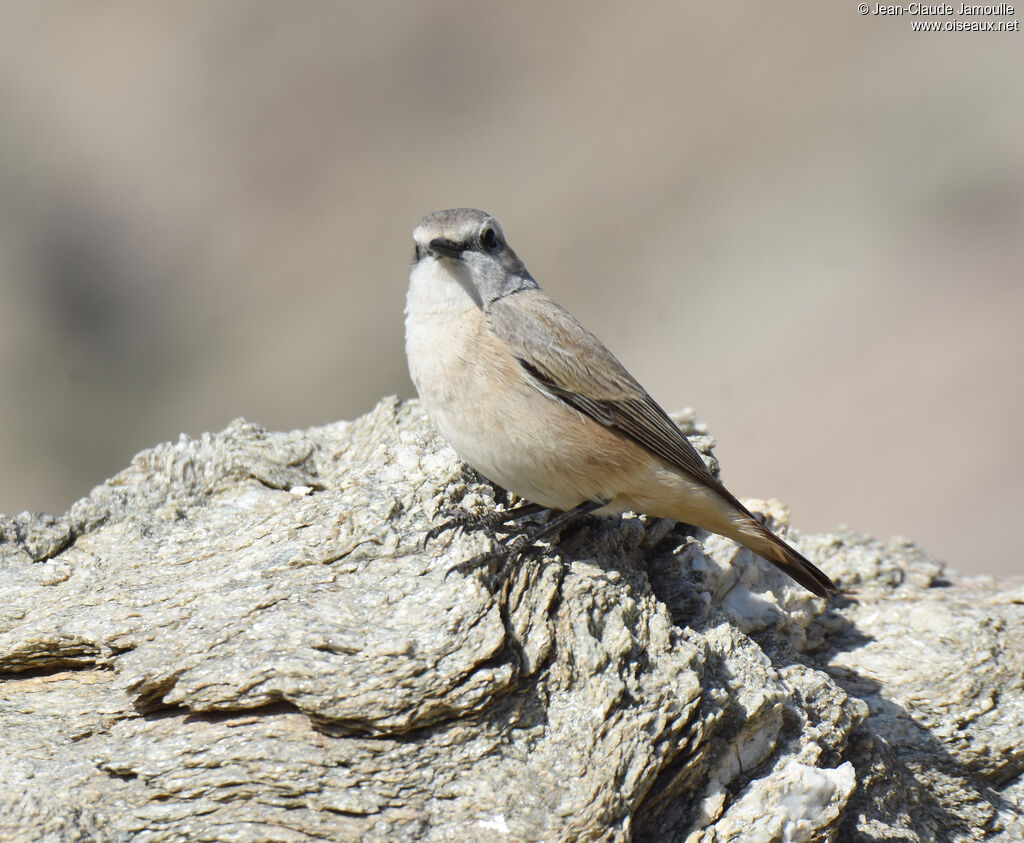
800 569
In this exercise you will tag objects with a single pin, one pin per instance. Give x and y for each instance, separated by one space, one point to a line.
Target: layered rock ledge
243 637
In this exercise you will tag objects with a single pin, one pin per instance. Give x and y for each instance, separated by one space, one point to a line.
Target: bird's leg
469 522
523 544
565 518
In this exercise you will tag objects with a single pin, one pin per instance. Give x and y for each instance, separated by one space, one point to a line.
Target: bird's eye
488 238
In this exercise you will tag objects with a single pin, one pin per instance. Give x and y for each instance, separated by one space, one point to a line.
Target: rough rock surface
242 637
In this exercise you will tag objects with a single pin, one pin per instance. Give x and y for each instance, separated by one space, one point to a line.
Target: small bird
534 402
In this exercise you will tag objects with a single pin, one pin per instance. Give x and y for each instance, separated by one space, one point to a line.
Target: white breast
437 311
475 392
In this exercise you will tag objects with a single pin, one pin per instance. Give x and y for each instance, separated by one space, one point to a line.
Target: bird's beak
445 248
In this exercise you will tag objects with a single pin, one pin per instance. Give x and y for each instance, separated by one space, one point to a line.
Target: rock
243 637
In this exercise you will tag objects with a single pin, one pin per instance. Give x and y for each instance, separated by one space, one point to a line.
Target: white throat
435 289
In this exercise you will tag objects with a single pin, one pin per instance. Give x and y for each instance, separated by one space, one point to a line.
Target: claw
435 531
508 557
470 522
522 544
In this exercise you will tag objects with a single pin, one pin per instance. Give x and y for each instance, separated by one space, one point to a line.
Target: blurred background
804 222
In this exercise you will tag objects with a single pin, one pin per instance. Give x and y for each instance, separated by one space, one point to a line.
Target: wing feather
564 360
569 362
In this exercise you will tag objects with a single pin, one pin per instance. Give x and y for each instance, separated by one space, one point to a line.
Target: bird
539 406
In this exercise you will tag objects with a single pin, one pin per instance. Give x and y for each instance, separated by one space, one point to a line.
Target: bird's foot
523 544
507 558
505 521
